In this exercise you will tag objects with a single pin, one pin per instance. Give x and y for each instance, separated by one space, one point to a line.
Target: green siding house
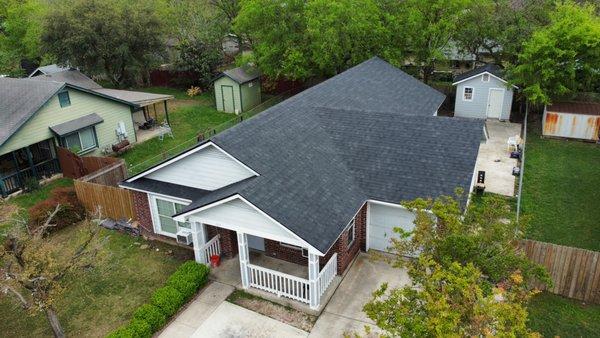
237 90
38 116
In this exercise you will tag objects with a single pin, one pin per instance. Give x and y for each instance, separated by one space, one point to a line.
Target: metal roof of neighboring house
20 99
139 98
586 108
49 69
76 124
72 76
241 75
490 68
367 133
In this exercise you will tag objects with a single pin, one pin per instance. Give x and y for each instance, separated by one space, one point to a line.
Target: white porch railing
279 283
327 274
212 247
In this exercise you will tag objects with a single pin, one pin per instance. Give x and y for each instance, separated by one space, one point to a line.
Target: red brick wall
345 253
228 240
142 211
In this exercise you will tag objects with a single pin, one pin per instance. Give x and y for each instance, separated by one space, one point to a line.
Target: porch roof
76 124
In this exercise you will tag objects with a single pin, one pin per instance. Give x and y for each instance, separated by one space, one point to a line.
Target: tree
429 26
20 31
33 270
118 39
469 279
562 58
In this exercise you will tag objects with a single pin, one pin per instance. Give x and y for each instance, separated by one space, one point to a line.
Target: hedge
181 286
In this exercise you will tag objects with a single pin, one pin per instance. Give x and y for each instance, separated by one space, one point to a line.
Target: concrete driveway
494 158
344 312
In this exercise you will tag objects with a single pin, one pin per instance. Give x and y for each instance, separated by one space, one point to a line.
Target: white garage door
382 221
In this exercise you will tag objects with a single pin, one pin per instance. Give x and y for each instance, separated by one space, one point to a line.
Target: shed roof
241 75
489 68
585 108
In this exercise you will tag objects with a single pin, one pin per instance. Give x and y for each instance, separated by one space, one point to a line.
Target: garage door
382 221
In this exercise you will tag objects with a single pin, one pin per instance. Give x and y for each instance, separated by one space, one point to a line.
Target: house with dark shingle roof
312 180
61 107
483 93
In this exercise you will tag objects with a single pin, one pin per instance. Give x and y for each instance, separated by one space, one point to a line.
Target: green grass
103 297
179 94
553 315
187 122
560 190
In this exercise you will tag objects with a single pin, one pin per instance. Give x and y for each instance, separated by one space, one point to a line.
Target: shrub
135 329
194 272
168 300
32 184
71 210
151 315
182 283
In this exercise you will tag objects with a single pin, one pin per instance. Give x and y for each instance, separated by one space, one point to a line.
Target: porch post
167 113
244 258
313 275
199 239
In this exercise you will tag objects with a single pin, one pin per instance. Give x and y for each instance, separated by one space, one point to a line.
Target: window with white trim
468 94
485 77
164 216
351 233
295 247
82 140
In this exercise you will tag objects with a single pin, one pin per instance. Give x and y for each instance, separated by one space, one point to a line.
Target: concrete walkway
494 158
199 309
230 320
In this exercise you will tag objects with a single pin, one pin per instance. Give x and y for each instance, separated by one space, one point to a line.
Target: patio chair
513 143
165 129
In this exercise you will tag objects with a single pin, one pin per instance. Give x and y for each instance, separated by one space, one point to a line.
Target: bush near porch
105 296
560 190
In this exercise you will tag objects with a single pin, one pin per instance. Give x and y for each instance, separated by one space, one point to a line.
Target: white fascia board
188 153
480 74
184 216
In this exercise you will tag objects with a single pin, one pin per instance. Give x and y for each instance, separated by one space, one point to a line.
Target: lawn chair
513 143
165 129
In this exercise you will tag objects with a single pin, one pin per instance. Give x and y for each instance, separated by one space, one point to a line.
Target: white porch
305 287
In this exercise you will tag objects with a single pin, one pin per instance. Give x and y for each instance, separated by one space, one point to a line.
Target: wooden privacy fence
575 272
75 166
113 202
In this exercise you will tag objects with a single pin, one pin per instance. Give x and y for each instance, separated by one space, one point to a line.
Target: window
351 233
486 77
295 247
64 99
164 212
468 94
81 140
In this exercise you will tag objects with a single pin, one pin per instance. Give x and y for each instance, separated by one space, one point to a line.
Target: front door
256 243
228 99
495 102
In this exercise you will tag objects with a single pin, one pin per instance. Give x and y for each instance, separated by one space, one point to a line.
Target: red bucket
215 260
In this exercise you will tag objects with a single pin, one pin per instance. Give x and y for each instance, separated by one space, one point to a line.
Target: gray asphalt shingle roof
490 68
20 99
49 69
368 133
62 129
71 76
242 75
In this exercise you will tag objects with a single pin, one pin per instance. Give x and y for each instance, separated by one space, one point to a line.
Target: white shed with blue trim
483 93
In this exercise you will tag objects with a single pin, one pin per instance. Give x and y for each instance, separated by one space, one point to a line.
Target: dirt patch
276 311
7 211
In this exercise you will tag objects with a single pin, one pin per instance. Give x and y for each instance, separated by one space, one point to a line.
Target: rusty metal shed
579 120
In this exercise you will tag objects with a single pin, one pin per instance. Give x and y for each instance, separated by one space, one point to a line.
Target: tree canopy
469 278
114 38
563 57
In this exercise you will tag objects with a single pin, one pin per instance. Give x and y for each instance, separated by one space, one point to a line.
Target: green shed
237 90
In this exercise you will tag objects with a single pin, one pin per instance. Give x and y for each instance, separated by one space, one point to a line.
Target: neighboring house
483 93
237 90
64 108
312 180
49 69
579 120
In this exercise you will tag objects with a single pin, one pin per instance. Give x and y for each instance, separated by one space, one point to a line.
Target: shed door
495 101
382 221
228 98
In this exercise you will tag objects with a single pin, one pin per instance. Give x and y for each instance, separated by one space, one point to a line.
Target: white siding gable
207 169
477 107
240 216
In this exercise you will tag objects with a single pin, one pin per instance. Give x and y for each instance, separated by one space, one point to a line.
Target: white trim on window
351 228
485 77
295 247
464 94
156 224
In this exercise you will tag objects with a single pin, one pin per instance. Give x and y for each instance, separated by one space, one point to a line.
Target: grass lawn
553 315
560 190
102 298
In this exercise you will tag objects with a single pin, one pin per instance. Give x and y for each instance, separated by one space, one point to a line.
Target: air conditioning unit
184 237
